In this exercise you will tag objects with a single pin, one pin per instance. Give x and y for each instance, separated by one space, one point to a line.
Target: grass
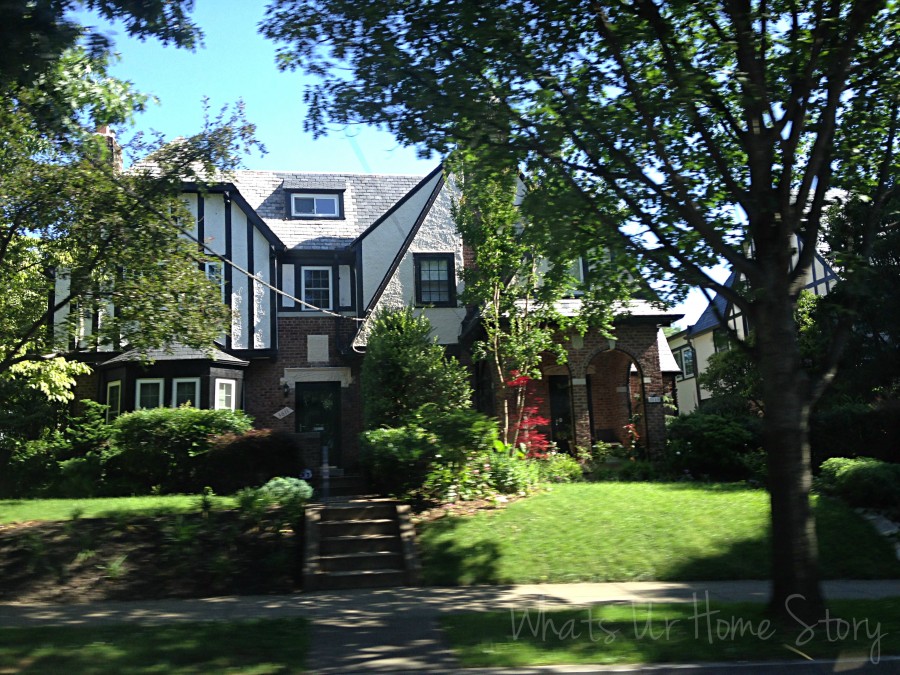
638 532
20 510
250 647
670 633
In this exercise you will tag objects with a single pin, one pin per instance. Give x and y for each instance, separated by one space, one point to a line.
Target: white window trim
303 270
195 400
233 383
218 276
684 373
149 380
314 196
110 385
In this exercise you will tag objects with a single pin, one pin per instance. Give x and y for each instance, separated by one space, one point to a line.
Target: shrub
29 469
405 369
438 455
166 447
861 481
711 446
236 460
397 459
849 428
286 491
513 474
559 467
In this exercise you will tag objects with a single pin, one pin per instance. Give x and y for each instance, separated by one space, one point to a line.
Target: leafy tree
405 369
519 272
34 33
695 131
516 310
734 374
113 239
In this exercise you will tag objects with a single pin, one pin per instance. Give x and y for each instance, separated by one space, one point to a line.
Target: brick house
313 255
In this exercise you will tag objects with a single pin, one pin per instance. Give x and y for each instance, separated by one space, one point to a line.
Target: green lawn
243 647
20 510
670 633
635 532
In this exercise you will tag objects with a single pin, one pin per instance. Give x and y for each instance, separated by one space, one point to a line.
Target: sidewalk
396 629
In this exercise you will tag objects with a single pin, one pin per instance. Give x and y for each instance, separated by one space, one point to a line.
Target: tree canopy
67 214
693 131
34 33
85 248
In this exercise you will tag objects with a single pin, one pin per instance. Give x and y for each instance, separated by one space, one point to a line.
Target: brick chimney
115 150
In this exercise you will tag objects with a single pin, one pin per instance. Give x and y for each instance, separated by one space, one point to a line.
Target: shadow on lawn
447 562
849 548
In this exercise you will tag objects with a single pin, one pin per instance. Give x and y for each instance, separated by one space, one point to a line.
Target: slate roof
718 307
177 353
366 198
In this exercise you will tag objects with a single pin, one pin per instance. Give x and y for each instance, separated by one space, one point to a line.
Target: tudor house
314 255
693 346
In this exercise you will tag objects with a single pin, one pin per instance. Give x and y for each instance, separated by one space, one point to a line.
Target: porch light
286 388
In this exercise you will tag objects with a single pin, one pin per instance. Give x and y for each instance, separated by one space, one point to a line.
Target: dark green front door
561 431
319 411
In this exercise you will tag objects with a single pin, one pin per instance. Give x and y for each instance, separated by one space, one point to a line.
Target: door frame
335 456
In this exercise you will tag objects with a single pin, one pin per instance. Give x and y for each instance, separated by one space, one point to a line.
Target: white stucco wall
380 246
262 305
438 234
241 325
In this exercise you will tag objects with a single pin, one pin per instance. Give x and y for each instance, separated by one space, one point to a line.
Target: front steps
359 544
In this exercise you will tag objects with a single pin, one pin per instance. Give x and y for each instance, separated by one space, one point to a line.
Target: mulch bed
147 557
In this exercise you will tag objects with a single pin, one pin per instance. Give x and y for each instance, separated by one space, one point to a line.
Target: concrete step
366 579
342 486
360 543
372 543
351 511
348 528
350 562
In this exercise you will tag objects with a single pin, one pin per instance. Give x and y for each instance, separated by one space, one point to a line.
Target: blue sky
238 63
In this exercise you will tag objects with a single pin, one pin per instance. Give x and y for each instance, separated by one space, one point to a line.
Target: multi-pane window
225 394
148 394
435 279
113 400
316 287
721 340
216 274
186 391
315 206
684 357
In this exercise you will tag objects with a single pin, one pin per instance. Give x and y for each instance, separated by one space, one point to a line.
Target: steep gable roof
714 310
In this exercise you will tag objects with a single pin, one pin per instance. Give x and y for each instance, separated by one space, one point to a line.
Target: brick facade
605 394
266 380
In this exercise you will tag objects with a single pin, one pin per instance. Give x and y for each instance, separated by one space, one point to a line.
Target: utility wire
256 279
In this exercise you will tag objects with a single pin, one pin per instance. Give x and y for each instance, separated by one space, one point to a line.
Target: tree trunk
796 591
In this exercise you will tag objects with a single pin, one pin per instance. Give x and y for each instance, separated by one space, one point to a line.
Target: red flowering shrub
528 418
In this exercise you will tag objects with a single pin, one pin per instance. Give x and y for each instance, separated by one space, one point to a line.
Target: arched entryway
615 388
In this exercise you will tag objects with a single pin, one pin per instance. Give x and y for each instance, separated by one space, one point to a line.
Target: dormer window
316 205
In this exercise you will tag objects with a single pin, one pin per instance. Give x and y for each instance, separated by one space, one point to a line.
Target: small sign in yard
284 412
